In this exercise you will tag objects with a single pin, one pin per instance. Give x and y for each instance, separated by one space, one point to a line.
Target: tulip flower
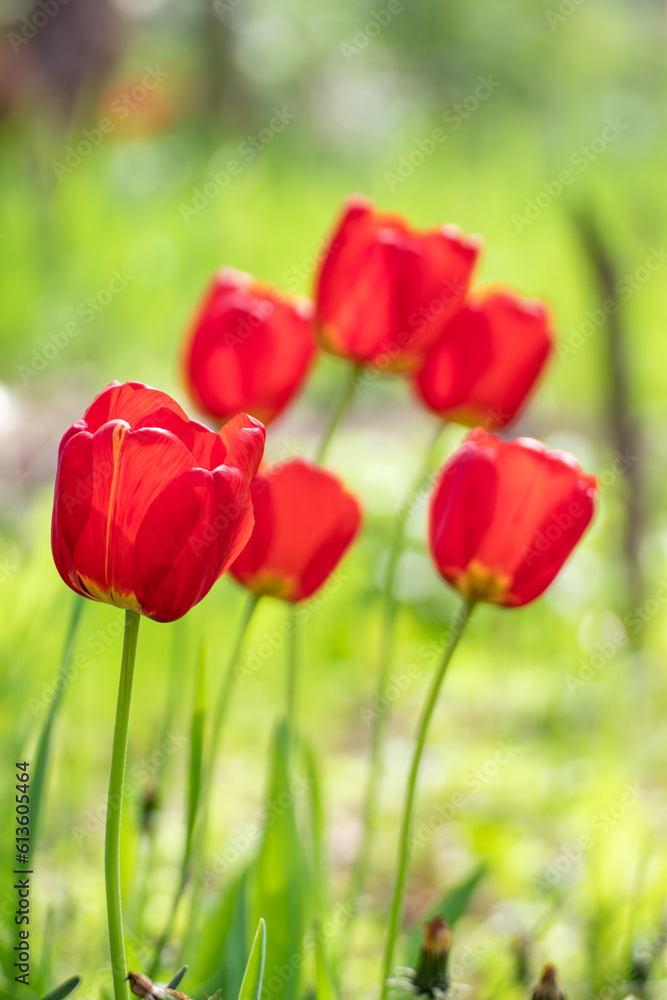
384 290
150 507
249 349
304 522
487 360
505 515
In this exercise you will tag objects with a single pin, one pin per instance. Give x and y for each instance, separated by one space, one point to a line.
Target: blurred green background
118 124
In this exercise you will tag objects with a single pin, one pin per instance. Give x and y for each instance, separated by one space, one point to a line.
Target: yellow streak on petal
119 432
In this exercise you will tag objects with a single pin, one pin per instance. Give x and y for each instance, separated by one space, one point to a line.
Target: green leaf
279 879
175 980
196 748
64 989
324 978
452 906
251 987
325 986
224 942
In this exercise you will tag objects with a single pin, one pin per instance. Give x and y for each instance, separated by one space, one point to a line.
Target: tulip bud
431 974
548 987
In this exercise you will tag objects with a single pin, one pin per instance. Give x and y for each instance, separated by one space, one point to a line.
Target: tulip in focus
384 290
487 360
505 515
304 522
151 507
249 349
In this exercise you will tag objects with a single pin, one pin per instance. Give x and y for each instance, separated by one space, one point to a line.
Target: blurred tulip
505 515
304 521
250 348
384 289
150 507
487 360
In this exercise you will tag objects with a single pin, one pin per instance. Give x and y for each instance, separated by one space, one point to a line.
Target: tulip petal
487 360
324 561
244 438
462 509
132 402
304 522
190 534
129 469
555 539
72 501
250 348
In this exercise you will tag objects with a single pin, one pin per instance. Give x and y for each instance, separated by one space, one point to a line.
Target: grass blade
251 987
279 878
64 989
196 748
175 980
42 751
452 906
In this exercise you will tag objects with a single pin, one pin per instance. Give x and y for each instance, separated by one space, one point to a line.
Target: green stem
195 851
337 412
114 807
389 605
396 909
292 670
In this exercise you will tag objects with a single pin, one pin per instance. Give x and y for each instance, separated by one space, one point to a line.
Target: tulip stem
337 412
292 678
380 716
114 806
396 910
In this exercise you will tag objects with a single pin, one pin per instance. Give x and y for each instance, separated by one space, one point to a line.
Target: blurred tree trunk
621 417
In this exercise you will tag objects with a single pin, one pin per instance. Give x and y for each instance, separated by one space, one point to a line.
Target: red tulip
384 290
150 507
505 515
249 349
487 360
304 521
